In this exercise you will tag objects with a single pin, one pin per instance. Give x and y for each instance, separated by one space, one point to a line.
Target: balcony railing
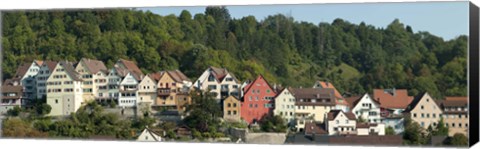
163 91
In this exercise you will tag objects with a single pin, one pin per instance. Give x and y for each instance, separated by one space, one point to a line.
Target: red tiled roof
352 101
396 98
131 67
330 85
155 76
11 89
12 82
50 64
22 70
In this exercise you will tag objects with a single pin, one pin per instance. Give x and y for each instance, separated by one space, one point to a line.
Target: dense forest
355 57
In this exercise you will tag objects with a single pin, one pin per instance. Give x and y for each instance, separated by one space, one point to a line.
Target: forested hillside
355 57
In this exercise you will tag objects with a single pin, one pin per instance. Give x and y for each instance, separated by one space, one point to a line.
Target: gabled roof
353 101
93 65
392 98
415 101
176 75
50 64
219 73
334 113
247 88
279 91
22 70
12 82
38 62
131 67
155 76
70 70
152 133
455 102
233 97
330 85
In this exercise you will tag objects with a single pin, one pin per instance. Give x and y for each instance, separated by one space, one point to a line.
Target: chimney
393 91
275 86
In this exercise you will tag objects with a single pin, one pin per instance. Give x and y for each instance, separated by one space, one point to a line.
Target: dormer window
211 78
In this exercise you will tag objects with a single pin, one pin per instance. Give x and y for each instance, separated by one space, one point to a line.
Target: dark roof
333 114
22 70
352 101
415 101
392 98
455 102
130 66
366 125
93 65
12 82
11 89
313 93
330 85
178 76
152 133
70 70
313 128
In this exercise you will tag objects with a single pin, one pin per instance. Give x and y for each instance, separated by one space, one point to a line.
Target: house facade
128 91
455 114
257 100
364 129
64 89
27 74
93 79
114 78
12 96
147 93
424 110
46 69
149 135
285 105
366 108
341 123
340 102
172 90
220 82
312 104
231 109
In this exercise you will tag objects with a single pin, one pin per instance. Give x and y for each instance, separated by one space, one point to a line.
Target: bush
112 104
43 109
218 135
15 111
207 135
197 134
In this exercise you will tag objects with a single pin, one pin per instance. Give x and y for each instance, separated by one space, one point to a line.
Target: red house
257 100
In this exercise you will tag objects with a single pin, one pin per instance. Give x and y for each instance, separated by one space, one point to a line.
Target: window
423 124
234 104
434 115
453 125
229 79
337 121
421 107
250 98
256 98
229 112
460 125
56 100
268 91
250 105
428 115
229 105
423 115
235 86
346 121
256 106
234 112
212 87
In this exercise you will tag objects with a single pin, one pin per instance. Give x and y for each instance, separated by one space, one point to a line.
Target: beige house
64 89
455 114
364 129
231 109
285 105
12 95
147 93
341 123
172 90
424 110
340 102
149 135
92 77
312 104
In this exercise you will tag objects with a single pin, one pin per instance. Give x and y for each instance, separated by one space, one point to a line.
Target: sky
445 19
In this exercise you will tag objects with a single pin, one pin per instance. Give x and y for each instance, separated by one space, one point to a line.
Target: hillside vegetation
355 57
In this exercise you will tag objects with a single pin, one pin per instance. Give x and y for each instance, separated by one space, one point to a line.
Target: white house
370 129
148 135
113 83
128 91
220 82
46 69
64 89
340 123
285 105
366 108
147 93
27 74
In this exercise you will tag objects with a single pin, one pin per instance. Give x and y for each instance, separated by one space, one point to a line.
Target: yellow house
231 109
172 90
312 104
455 114
93 79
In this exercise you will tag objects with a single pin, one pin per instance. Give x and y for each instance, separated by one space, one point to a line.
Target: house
231 109
45 69
219 82
128 91
392 104
455 114
27 74
340 102
312 104
64 89
364 129
147 93
424 110
129 66
93 74
12 96
341 123
313 129
114 77
172 90
285 105
257 100
183 131
149 135
366 108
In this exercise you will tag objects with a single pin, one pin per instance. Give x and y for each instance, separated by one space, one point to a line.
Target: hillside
355 57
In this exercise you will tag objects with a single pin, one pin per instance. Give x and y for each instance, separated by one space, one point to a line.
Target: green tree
15 111
458 140
204 112
275 123
389 131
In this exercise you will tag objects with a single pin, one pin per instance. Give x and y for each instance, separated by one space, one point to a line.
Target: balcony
163 92
10 102
224 89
